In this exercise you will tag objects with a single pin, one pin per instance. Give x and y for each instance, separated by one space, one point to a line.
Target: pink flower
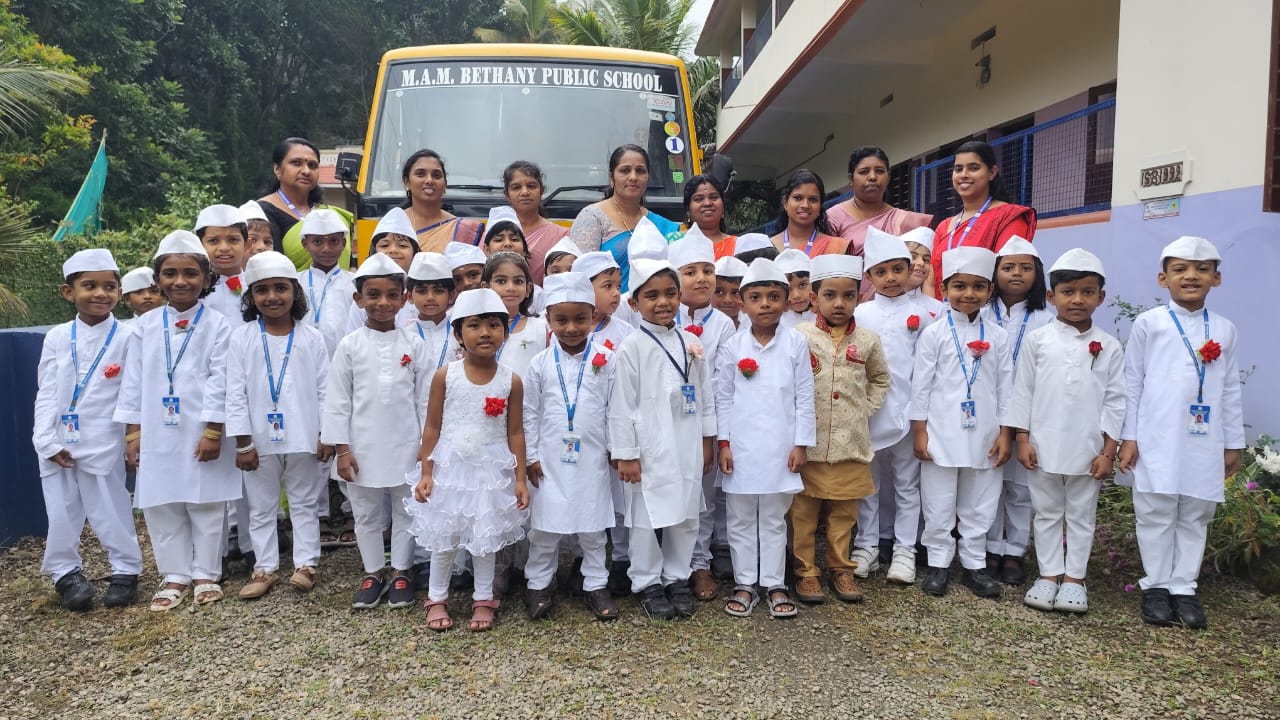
1129 587
1251 485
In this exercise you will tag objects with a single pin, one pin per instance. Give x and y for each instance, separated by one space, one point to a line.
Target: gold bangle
212 434
130 437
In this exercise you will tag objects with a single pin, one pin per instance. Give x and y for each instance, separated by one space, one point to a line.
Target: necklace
621 216
858 206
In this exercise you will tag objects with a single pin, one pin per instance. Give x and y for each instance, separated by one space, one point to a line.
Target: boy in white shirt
566 405
431 293
140 292
764 372
728 295
257 230
898 318
1066 412
222 231
81 449
960 389
796 265
1183 429
919 243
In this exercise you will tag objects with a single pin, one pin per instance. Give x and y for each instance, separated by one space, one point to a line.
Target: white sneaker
867 559
903 568
1041 595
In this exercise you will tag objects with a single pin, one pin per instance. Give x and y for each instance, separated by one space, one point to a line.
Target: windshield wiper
597 188
475 187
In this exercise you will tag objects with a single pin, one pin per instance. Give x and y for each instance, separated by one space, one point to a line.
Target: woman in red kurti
986 220
805 219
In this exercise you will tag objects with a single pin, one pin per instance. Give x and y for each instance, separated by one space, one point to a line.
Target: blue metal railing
759 36
1060 167
731 83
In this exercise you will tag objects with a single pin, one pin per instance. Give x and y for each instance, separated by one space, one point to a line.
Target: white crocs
1072 598
903 568
1041 595
867 559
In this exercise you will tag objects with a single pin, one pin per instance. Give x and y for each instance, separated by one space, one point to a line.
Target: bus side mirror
722 169
347 168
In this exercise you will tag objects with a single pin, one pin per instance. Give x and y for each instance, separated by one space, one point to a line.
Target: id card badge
275 427
1199 424
172 411
690 399
572 445
70 429
968 415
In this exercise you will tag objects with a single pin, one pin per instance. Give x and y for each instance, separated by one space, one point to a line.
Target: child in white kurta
471 492
1066 410
960 389
567 390
897 317
661 423
80 447
1019 307
374 408
275 390
174 401
1181 434
764 373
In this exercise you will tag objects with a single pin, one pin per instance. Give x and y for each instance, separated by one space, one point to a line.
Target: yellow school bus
564 107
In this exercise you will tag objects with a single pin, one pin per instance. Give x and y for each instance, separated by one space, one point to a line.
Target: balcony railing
759 36
731 83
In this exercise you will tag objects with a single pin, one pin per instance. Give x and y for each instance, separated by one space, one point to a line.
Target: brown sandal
481 624
438 619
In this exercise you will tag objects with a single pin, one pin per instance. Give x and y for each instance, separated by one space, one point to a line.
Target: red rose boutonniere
696 330
181 325
978 347
1095 349
405 360
813 363
493 407
913 322
598 362
609 344
111 371
851 353
1209 351
234 285
748 367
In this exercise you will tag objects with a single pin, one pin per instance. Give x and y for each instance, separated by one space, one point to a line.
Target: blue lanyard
684 372
444 345
571 408
284 365
968 226
699 323
170 364
288 203
1195 359
786 237
1017 346
510 329
969 377
82 381
316 307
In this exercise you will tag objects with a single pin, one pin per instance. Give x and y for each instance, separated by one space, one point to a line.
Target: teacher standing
294 187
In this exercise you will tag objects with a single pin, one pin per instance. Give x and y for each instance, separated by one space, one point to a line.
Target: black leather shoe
935 581
539 602
74 591
1156 609
619 582
122 592
1013 571
681 596
653 600
721 564
981 582
1188 611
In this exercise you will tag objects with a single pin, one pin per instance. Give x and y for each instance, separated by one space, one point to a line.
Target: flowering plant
235 286
913 322
111 370
598 362
1209 351
695 351
1095 349
405 360
748 367
181 325
695 330
493 406
978 347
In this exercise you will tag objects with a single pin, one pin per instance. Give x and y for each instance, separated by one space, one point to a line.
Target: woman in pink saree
523 185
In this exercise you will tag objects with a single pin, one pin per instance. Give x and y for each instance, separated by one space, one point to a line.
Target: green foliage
654 25
523 21
1248 521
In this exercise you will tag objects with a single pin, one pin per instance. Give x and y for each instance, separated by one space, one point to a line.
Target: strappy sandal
347 533
207 593
778 597
171 596
479 624
748 603
328 539
438 620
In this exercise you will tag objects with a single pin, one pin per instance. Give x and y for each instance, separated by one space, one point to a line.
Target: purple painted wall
1249 241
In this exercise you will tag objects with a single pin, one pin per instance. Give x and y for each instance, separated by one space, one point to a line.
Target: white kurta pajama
763 417
183 500
94 488
230 304
895 469
647 422
611 336
961 487
1067 399
1011 528
329 298
572 498
376 403
290 464
1177 481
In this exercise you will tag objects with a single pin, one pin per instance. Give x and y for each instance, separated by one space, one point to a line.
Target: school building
1125 123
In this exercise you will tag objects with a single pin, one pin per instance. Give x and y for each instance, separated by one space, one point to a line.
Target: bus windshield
566 115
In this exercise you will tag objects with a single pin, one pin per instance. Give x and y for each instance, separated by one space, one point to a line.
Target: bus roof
585 52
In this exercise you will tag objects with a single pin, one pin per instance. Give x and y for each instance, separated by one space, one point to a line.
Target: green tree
523 21
655 25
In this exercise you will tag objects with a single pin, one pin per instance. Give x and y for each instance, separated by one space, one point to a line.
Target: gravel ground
899 655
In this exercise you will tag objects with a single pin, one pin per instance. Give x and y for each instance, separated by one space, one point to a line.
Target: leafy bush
1248 521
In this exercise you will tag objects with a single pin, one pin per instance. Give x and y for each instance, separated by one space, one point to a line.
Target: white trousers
1172 530
442 573
896 474
711 523
368 505
298 474
962 498
186 539
654 564
1011 527
544 557
619 534
73 496
1058 501
758 537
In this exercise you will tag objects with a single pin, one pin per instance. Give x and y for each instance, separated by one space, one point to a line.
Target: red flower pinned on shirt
851 353
609 344
181 325
748 367
978 347
913 322
598 362
405 360
111 370
234 285
1209 351
696 330
813 362
493 406
1095 349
